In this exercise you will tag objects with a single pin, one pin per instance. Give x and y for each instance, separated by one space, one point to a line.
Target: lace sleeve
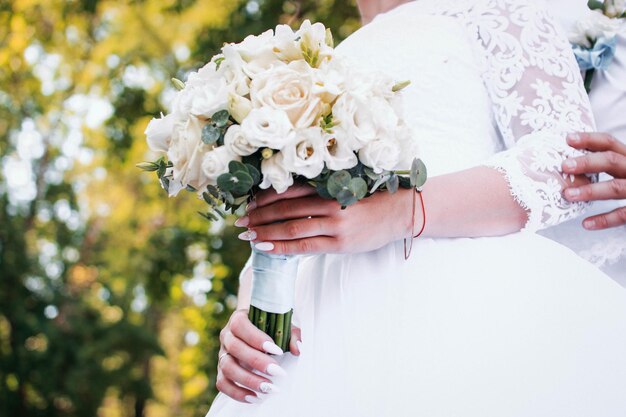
538 96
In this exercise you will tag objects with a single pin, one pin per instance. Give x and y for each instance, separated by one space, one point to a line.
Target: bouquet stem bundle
277 326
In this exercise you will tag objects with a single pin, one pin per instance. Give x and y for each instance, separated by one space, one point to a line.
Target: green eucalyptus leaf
405 182
235 166
380 180
220 119
238 183
228 199
338 181
346 198
241 200
254 173
224 182
213 190
165 182
419 174
210 134
393 183
209 199
358 187
322 190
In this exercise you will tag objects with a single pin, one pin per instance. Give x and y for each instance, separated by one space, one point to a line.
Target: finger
606 190
270 196
235 392
295 338
234 372
294 229
597 142
312 245
294 208
250 357
610 162
241 326
614 218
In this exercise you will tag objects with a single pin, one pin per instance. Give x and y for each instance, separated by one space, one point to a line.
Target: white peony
215 163
304 155
593 26
275 174
381 154
288 88
186 153
237 142
337 154
267 128
159 133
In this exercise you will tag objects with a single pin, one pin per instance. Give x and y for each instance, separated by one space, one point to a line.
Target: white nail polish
247 235
272 348
266 387
242 221
573 192
299 344
570 163
264 246
275 370
252 399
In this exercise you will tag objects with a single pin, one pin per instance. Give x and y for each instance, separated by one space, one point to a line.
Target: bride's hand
300 221
609 155
244 349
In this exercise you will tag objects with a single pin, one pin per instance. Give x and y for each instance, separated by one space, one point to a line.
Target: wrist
410 218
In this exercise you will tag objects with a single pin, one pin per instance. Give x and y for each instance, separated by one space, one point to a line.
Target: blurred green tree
111 295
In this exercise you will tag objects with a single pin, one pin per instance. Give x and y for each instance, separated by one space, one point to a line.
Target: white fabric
273 281
605 249
515 326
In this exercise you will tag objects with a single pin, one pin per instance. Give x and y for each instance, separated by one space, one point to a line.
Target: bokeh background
112 296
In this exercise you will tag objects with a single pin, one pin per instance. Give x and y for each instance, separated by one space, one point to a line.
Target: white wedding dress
513 326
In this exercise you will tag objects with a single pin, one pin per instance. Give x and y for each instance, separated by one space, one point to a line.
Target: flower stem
589 78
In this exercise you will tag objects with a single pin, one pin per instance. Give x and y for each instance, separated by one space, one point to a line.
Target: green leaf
209 199
235 166
323 191
346 198
220 119
254 173
419 174
382 178
178 84
218 62
228 198
162 168
238 183
338 181
358 186
393 183
210 134
401 85
147 166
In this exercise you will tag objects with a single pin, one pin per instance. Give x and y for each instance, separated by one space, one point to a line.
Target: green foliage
96 265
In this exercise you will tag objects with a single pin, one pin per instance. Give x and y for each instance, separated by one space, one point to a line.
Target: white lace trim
608 251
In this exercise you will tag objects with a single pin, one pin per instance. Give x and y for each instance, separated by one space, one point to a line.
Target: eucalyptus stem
280 331
277 326
589 78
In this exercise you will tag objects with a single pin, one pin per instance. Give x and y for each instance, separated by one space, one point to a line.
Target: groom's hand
608 155
244 352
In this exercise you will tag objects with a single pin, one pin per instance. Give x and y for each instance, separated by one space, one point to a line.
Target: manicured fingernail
572 192
251 205
570 163
242 221
248 235
573 137
589 224
275 370
263 246
272 348
266 387
252 399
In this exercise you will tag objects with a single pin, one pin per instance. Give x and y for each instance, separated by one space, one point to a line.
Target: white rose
239 107
329 80
159 133
337 154
275 175
354 122
595 25
409 148
288 88
285 45
616 8
257 53
215 163
186 153
237 142
209 98
232 70
381 154
304 155
267 128
313 40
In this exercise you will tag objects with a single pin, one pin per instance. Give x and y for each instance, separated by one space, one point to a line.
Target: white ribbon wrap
273 281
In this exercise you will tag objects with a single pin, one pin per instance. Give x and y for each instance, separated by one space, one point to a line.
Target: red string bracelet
407 255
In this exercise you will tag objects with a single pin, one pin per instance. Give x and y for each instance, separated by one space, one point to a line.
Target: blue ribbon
599 57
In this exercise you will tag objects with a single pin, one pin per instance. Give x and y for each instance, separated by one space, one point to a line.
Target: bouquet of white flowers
277 108
594 37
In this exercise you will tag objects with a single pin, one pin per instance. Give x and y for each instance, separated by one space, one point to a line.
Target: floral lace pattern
538 96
